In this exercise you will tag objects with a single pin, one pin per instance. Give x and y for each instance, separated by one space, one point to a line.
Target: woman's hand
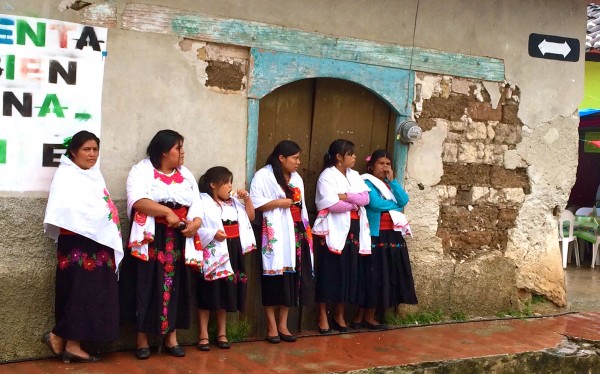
285 203
220 236
389 174
172 218
243 194
342 196
192 227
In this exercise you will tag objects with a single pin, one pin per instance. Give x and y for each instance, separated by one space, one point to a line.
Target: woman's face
87 155
222 191
347 161
290 164
381 167
173 158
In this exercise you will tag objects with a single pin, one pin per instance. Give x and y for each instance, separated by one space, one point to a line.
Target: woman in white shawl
163 203
84 221
388 274
277 190
343 234
226 236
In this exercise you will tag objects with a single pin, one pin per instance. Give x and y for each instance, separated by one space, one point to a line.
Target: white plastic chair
588 212
568 216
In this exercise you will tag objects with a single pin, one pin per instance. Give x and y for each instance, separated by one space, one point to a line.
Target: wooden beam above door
166 20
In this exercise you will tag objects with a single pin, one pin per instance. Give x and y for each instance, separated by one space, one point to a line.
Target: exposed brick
225 75
452 108
509 114
505 178
483 111
426 124
466 175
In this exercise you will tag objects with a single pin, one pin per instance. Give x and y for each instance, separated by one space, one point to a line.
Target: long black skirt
340 278
292 289
225 293
376 272
87 294
161 284
401 282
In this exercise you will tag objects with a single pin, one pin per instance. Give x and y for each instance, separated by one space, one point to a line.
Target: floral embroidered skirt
399 273
225 293
292 289
339 276
87 294
161 284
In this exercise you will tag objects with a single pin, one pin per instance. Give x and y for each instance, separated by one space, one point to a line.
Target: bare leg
171 339
370 316
323 321
339 314
283 317
271 324
221 325
203 317
142 340
57 343
359 316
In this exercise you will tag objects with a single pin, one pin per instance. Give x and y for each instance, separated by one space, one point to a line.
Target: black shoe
377 327
356 325
336 326
67 357
273 339
288 338
223 344
142 353
204 347
325 331
175 351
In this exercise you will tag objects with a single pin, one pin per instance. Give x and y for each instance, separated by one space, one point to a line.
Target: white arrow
554 48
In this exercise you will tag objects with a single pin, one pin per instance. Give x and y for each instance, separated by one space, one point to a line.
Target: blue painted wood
251 139
160 19
271 70
400 153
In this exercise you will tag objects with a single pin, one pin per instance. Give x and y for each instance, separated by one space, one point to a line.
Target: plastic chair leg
594 253
576 250
565 251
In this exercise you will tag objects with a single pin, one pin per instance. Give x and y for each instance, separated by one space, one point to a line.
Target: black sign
553 47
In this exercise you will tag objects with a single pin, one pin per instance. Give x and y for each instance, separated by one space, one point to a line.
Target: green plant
420 318
238 331
537 299
459 316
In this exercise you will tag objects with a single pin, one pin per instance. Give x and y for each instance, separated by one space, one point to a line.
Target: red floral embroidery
167 259
140 218
88 262
166 179
63 262
113 214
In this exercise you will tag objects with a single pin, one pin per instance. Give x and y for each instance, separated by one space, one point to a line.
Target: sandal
204 347
223 344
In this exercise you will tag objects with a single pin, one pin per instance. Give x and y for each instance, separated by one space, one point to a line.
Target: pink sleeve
341 207
360 199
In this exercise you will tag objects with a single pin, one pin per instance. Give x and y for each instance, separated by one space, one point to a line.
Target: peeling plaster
425 156
493 90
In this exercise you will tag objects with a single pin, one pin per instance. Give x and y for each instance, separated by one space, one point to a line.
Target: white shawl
216 263
398 218
139 183
335 226
79 202
278 238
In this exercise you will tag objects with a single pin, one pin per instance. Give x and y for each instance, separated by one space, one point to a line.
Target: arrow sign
553 47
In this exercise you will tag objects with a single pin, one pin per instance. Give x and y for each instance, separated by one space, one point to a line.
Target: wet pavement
361 350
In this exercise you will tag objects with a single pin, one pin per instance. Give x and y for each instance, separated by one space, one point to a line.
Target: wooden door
315 112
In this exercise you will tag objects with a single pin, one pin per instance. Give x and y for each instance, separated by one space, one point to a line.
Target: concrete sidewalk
567 335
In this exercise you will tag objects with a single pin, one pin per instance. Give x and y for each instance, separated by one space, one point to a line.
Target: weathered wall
156 81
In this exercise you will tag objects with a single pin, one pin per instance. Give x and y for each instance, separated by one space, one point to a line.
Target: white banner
51 76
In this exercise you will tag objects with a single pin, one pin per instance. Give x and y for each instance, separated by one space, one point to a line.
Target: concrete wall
153 81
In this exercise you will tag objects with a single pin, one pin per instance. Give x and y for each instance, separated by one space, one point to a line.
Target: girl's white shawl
398 218
335 226
139 184
278 237
79 202
216 263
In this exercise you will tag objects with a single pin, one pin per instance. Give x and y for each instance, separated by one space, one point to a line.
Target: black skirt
376 273
292 289
225 293
401 282
159 286
340 278
87 295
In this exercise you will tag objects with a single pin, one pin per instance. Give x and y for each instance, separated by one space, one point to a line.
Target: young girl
226 235
344 234
388 273
277 191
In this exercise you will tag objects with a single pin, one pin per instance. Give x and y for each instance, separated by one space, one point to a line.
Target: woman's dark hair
376 155
162 143
218 175
285 148
337 147
78 140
